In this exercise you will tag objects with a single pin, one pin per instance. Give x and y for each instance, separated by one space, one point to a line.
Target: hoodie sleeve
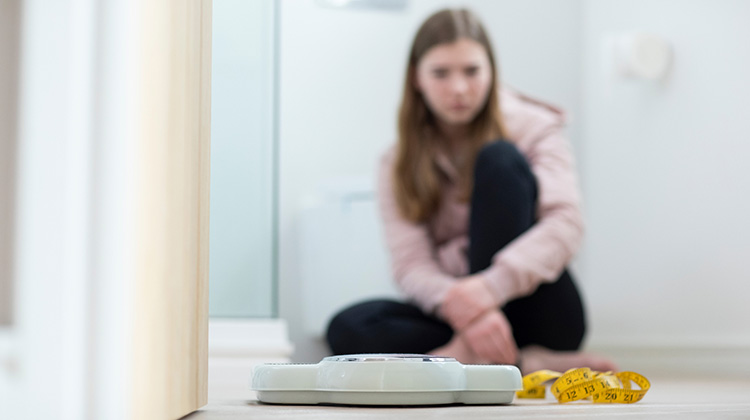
413 255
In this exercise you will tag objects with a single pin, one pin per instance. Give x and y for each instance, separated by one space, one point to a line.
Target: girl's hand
466 301
491 338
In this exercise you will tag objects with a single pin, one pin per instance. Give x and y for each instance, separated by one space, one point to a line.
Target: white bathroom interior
304 100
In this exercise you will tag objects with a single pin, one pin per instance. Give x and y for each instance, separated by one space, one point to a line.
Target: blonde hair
416 177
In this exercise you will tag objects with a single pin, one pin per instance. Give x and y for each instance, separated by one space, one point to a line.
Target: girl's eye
440 73
472 71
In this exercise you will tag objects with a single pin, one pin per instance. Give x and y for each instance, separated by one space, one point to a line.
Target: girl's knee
501 156
501 163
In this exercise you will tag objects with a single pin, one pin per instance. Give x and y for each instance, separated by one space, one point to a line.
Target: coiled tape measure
577 384
417 379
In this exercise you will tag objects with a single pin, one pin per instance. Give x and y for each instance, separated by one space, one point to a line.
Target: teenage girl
481 209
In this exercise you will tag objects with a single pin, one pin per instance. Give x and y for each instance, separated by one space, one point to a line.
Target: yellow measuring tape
577 384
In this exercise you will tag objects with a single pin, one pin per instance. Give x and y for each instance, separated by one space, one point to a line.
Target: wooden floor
669 397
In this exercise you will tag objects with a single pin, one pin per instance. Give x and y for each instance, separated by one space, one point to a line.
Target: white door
110 190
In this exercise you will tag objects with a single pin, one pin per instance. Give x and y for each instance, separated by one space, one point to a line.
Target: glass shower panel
10 37
242 274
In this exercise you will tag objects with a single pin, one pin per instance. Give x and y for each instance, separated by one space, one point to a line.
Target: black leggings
503 206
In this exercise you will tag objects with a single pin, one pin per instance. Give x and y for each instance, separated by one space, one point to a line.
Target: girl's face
454 80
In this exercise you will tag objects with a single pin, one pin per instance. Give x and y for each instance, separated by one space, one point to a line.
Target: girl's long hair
416 177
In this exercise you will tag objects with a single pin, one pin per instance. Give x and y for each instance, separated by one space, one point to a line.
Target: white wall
47 347
66 355
665 260
340 79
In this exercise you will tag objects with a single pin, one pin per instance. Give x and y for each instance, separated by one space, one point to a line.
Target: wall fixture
642 55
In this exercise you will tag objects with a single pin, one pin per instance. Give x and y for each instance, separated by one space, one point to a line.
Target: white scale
386 379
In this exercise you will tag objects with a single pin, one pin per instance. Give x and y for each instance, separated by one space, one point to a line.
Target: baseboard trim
679 359
249 338
235 347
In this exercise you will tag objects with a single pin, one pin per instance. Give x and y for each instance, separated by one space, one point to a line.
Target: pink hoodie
427 258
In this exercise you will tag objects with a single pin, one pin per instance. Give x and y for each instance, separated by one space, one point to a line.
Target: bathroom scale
385 379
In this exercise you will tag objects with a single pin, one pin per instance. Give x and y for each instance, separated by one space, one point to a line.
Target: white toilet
343 258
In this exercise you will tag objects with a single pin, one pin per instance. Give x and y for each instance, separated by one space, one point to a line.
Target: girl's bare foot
535 358
459 350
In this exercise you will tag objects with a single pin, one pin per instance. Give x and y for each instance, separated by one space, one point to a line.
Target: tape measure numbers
577 384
